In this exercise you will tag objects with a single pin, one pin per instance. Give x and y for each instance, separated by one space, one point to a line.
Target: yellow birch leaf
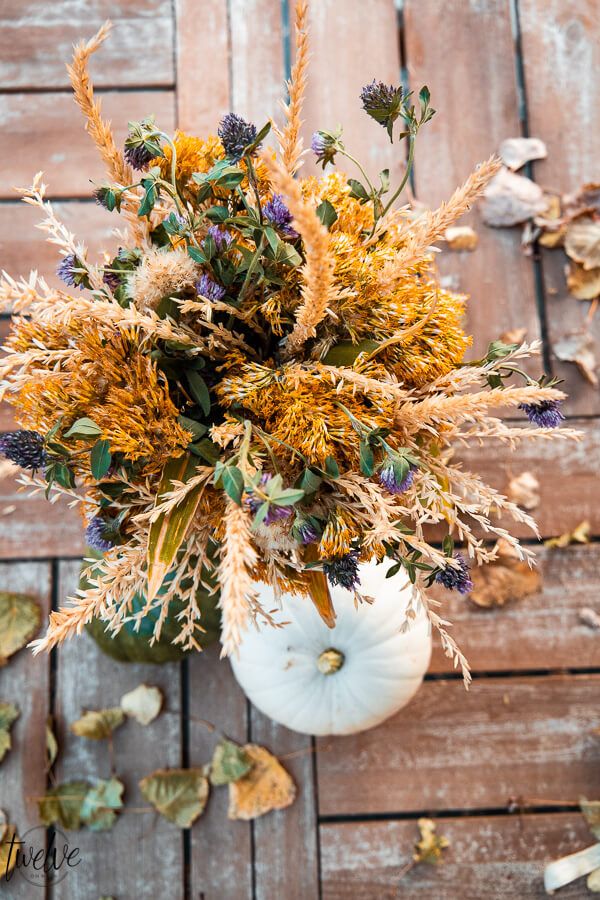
179 795
20 618
98 724
267 786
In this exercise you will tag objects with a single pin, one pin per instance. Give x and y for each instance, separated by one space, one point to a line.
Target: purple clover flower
208 287
381 101
456 579
222 239
137 155
25 448
67 271
112 280
387 477
325 145
343 571
95 535
279 216
307 532
545 414
235 134
275 513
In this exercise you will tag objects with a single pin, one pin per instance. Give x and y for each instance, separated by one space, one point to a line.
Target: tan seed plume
290 140
238 557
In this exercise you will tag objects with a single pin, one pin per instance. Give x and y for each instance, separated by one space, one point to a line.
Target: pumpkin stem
330 661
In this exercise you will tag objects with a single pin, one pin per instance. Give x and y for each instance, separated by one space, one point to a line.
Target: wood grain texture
142 856
257 45
25 681
490 856
36 39
286 841
477 107
32 528
203 74
350 45
561 58
221 849
23 247
539 632
67 155
448 749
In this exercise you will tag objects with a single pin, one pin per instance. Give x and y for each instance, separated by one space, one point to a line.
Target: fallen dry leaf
180 795
513 336
9 843
589 617
510 199
578 348
230 762
523 490
461 237
20 618
506 578
428 849
3 824
582 242
267 786
9 713
62 804
142 704
98 724
585 200
515 152
583 284
51 744
579 535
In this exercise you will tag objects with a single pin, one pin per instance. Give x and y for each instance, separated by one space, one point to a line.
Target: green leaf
100 459
326 213
345 353
448 545
168 531
331 467
83 428
20 618
367 460
287 497
197 429
197 255
149 199
261 514
393 570
217 214
287 255
233 483
309 481
62 804
199 390
358 190
179 795
97 725
230 762
9 713
101 803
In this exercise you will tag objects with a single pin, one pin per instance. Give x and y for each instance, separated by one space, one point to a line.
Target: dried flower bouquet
266 383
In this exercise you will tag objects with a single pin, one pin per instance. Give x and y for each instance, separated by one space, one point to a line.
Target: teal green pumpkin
132 644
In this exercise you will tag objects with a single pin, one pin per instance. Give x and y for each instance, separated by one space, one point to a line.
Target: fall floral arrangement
266 382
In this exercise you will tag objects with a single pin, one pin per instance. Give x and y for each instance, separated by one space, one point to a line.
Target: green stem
254 184
409 165
253 264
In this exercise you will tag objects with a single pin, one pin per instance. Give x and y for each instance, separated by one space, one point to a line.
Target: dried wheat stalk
290 140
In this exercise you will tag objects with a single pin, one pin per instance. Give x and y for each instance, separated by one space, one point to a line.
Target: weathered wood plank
32 528
23 246
221 849
285 841
67 155
561 58
257 45
497 276
36 40
25 681
350 45
87 679
542 631
488 856
449 749
203 76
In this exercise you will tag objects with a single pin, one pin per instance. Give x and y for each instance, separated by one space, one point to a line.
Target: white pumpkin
319 680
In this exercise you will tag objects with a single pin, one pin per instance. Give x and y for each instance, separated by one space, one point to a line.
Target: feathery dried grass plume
238 594
319 291
161 274
290 140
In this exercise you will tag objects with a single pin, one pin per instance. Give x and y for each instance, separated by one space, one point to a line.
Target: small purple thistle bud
343 571
95 535
208 288
307 532
137 155
279 216
325 145
67 271
456 579
275 513
387 477
25 448
235 134
381 101
111 280
545 414
222 239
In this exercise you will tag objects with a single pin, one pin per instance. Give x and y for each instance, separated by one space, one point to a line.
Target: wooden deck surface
501 769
